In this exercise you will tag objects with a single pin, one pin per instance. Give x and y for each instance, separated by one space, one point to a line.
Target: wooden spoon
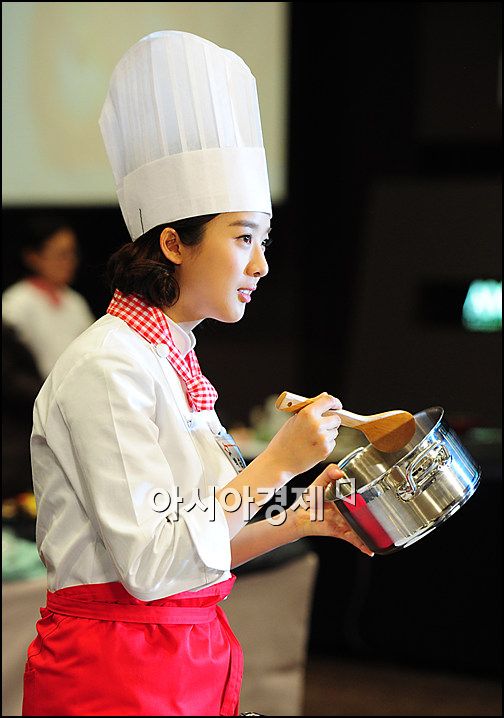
389 431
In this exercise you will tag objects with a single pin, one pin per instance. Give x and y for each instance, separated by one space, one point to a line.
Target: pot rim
404 459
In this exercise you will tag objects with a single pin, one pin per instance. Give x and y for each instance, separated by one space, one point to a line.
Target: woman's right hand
306 438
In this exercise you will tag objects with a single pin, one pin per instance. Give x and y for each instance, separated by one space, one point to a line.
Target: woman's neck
180 318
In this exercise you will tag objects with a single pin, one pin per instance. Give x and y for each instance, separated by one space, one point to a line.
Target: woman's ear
170 244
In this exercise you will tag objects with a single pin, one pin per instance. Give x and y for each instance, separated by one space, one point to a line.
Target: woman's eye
247 238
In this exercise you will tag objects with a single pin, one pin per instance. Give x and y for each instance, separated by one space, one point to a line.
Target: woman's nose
258 266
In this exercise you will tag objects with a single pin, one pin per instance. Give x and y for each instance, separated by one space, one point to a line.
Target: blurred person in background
21 382
42 308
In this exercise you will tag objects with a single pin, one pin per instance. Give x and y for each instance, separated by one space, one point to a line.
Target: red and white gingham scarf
152 325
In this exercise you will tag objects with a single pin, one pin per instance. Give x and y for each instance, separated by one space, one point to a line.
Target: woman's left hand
315 520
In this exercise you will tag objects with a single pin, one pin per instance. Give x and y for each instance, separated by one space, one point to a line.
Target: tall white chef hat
182 131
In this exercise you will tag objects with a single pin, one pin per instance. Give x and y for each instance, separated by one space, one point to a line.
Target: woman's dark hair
37 230
140 267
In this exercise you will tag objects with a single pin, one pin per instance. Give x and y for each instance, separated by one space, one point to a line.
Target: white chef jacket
113 429
44 327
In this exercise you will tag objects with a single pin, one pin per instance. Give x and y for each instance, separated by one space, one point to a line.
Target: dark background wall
394 201
396 184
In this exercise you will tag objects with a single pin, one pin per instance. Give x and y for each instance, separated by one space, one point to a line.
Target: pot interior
368 464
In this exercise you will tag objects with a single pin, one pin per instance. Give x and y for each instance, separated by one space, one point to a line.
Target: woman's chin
231 315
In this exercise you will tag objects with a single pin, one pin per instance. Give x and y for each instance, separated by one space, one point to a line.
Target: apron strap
130 613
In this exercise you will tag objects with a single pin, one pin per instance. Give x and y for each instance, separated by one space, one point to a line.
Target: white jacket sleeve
109 404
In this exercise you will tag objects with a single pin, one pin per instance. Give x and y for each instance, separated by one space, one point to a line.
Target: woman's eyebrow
246 223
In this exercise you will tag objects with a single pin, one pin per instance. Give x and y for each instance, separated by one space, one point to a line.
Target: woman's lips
245 295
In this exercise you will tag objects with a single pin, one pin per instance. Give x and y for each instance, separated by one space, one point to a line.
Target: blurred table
21 601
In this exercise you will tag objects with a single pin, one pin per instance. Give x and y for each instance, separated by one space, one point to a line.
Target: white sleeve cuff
209 531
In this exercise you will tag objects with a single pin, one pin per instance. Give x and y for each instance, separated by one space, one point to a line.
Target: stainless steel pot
393 500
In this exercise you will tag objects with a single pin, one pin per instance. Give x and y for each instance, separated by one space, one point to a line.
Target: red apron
100 651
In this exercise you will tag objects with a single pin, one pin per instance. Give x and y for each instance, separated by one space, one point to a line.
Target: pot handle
412 489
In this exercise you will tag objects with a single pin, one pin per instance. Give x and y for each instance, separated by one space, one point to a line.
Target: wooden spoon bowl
389 431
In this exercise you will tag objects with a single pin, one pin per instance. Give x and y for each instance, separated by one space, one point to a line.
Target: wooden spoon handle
292 403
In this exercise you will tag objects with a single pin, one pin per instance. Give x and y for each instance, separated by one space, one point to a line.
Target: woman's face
217 277
57 261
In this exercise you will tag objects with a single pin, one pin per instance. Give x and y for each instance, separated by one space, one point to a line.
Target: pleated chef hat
182 131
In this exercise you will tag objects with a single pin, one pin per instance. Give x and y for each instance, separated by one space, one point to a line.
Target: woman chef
132 469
